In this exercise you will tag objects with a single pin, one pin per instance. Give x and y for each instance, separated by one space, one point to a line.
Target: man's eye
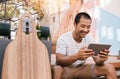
88 27
82 26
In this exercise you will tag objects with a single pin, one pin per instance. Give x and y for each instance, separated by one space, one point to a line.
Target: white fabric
68 46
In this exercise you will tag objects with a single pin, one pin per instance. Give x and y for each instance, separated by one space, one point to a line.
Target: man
72 51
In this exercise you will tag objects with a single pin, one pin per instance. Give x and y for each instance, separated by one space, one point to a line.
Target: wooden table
115 61
112 59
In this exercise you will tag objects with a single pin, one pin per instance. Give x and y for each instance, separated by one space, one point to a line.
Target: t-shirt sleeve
61 46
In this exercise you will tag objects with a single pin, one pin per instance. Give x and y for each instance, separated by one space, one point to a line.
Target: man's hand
102 57
84 53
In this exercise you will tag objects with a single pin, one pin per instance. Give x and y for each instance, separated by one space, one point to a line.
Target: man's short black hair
81 14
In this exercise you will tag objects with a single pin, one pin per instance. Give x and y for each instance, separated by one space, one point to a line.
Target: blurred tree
34 7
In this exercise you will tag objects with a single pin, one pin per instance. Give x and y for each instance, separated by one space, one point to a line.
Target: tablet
98 47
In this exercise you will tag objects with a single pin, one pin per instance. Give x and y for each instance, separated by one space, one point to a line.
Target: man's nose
85 29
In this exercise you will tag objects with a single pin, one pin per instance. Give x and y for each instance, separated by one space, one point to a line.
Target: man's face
82 28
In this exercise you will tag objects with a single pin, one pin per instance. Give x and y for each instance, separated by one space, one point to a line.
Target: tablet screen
98 47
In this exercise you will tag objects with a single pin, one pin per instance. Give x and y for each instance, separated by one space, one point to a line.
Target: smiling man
72 51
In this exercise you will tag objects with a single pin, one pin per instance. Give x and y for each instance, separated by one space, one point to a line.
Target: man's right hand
84 53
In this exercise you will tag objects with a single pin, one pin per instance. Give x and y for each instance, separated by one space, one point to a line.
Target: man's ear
74 25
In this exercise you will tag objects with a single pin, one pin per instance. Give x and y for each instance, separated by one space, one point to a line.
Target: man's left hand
102 57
